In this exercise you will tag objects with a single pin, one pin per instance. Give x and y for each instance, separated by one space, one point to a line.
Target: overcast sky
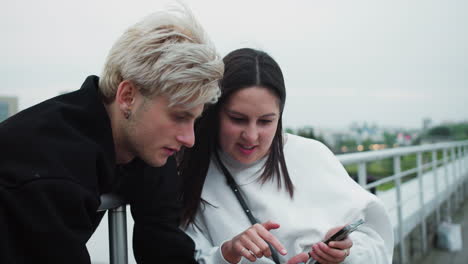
391 62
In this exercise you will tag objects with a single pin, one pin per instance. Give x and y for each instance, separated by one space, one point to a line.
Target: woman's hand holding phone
333 249
332 252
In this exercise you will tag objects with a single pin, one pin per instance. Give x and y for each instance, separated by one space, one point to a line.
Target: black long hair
243 68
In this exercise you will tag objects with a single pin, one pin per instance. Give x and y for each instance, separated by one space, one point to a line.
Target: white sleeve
373 241
207 253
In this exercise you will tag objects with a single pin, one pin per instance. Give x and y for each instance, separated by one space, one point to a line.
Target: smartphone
340 235
343 232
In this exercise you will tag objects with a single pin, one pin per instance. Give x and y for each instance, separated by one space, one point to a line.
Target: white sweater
325 197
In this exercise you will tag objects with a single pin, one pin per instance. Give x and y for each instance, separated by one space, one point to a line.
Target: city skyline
391 63
8 106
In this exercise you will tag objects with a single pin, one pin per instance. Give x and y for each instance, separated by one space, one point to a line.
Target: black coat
56 159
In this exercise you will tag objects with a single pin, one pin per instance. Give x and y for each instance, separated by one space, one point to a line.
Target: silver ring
253 254
250 251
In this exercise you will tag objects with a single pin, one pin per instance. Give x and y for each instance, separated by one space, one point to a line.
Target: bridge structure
419 199
423 195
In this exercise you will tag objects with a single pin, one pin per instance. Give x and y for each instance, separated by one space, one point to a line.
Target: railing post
422 209
118 235
460 174
463 166
464 171
454 176
466 157
465 154
465 161
448 208
436 186
397 171
362 174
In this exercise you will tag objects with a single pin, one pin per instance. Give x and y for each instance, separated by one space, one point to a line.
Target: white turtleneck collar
242 173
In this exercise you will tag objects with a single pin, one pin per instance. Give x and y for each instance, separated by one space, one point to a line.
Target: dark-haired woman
255 194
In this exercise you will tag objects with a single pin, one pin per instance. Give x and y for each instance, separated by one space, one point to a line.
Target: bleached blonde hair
167 53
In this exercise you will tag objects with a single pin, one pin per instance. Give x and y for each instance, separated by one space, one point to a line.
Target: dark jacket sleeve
156 208
46 221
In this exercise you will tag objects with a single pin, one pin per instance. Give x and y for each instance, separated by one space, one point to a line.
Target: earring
127 114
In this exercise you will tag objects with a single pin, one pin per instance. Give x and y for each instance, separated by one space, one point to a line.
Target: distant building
8 107
426 123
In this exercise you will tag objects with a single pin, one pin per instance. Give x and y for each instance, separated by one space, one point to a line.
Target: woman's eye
237 119
265 121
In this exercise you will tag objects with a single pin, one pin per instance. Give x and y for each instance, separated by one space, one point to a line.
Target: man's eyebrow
189 114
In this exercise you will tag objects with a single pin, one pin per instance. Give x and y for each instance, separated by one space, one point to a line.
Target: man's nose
187 138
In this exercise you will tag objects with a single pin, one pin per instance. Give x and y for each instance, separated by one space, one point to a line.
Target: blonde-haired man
116 134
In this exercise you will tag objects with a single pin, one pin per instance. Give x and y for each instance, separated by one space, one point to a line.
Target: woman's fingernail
284 251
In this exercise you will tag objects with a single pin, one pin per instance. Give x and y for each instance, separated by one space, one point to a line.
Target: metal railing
447 167
450 171
117 216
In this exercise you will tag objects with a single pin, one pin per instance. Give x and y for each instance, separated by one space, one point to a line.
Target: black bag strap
235 189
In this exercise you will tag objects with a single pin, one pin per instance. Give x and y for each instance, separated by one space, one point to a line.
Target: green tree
289 130
389 139
440 131
366 143
460 131
307 132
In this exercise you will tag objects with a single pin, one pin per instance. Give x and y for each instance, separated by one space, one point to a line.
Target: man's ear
125 96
